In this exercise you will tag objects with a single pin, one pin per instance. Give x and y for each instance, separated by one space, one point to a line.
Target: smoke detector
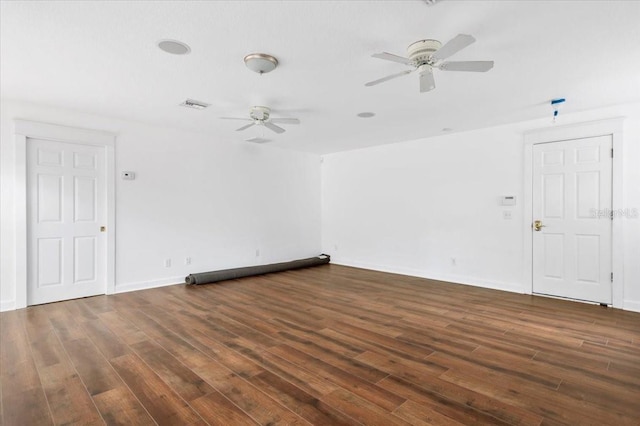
260 62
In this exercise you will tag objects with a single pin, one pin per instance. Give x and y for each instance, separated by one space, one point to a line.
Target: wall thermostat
128 175
508 200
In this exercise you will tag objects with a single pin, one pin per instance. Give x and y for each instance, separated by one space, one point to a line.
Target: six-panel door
66 209
572 200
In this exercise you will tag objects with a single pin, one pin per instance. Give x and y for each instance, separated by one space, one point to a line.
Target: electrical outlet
507 214
167 263
187 260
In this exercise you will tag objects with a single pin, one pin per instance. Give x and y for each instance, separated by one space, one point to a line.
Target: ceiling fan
261 116
425 55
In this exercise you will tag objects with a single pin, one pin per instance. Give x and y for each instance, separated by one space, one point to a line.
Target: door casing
613 127
29 129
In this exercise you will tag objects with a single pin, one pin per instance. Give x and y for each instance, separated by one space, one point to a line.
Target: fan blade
285 120
473 66
236 118
273 127
389 77
245 127
391 57
427 83
452 47
256 139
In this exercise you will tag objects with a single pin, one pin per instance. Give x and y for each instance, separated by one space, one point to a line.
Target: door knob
103 229
537 225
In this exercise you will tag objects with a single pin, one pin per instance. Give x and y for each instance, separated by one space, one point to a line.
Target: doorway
565 256
572 218
64 214
66 229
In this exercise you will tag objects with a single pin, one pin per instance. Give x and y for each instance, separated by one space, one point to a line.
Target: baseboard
631 305
456 279
7 305
144 285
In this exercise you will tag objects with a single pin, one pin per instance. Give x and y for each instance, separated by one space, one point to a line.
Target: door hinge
612 277
611 152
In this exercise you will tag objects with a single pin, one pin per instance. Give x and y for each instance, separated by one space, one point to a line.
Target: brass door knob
537 225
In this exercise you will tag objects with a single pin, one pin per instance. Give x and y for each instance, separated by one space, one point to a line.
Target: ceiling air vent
190 103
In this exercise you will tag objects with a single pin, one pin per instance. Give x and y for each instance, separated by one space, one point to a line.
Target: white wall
408 207
411 207
213 200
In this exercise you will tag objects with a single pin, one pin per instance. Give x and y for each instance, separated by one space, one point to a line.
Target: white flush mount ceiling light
260 62
174 47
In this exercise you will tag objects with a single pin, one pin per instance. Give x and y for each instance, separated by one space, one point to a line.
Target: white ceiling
101 57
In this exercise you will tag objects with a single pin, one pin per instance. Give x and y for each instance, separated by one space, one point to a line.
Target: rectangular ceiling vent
190 103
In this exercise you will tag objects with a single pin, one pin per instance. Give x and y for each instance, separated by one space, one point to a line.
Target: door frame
610 127
25 130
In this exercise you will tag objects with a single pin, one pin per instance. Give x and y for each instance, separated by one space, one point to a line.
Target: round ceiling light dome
260 62
174 47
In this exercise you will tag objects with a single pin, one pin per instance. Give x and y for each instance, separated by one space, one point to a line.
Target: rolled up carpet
230 274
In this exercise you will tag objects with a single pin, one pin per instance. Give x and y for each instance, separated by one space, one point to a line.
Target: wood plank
367 390
306 406
180 378
449 405
119 406
104 339
22 396
29 407
419 414
254 402
360 409
553 407
68 399
399 367
217 410
160 401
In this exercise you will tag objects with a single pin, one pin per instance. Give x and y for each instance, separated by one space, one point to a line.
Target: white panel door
66 208
572 202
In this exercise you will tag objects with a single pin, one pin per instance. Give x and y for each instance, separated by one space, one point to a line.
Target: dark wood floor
325 345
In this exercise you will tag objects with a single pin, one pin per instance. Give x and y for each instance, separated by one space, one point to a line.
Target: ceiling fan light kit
425 55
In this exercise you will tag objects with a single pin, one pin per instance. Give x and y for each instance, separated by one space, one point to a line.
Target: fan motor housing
259 113
420 52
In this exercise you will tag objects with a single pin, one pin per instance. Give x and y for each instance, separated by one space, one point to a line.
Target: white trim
613 127
455 279
144 285
30 129
631 305
7 305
